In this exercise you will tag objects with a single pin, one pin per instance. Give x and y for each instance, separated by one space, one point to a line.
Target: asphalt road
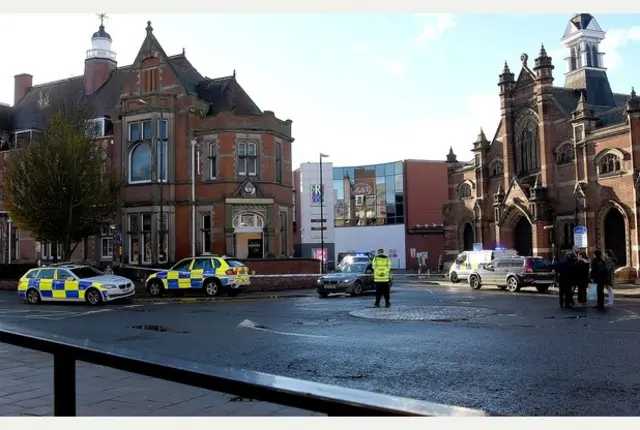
515 354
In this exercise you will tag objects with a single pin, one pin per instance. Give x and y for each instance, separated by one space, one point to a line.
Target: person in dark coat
566 279
582 277
598 275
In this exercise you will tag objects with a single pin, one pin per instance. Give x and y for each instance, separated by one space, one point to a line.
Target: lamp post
161 176
322 215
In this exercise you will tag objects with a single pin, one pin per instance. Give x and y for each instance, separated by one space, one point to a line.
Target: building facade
394 206
314 208
562 156
204 169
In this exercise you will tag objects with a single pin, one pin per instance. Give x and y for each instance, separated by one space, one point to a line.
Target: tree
59 187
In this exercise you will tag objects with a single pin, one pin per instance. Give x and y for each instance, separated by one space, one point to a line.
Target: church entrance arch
468 237
523 237
615 235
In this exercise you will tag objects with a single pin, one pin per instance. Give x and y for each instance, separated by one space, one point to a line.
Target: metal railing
311 396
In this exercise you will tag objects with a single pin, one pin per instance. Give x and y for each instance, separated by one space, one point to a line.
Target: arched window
497 169
594 56
140 163
528 148
610 164
565 154
574 59
588 51
464 191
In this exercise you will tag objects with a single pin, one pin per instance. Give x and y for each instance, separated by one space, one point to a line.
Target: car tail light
528 267
230 272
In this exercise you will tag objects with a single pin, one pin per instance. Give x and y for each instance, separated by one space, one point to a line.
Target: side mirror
369 272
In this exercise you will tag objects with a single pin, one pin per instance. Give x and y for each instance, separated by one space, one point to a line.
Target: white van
468 261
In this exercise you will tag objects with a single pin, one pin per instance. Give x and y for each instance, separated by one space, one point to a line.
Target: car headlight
319 281
346 281
109 287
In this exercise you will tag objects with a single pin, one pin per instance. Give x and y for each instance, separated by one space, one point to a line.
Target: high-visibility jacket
381 268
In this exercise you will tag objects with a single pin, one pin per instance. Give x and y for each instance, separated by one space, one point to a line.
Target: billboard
317 195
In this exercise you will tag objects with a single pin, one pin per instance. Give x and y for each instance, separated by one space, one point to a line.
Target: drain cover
158 328
423 313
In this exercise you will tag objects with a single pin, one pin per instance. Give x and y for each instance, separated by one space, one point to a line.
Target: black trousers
600 291
582 292
565 295
382 289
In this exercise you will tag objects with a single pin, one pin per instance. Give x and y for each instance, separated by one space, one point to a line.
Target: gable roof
221 94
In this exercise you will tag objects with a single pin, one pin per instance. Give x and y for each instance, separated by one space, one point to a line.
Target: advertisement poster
320 253
317 195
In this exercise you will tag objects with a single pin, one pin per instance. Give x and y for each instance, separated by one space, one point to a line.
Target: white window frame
162 230
359 200
160 175
19 132
106 238
140 123
247 154
46 251
213 161
95 125
133 148
139 234
204 232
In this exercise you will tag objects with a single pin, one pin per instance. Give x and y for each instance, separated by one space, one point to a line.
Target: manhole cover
158 328
423 313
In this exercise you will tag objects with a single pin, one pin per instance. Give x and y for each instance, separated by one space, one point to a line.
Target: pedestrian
582 277
598 275
381 277
610 264
566 279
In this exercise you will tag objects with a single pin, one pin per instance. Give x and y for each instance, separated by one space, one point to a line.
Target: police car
74 283
211 273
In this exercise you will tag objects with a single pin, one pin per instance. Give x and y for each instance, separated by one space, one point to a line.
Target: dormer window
99 127
610 164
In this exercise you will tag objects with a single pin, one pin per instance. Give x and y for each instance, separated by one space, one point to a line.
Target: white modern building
314 209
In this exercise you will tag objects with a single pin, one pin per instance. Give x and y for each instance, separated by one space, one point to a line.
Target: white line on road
250 324
630 316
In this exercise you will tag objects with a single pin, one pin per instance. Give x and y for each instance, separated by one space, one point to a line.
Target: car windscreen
234 263
354 268
86 272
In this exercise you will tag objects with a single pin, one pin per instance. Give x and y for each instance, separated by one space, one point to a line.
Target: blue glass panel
400 220
350 173
399 210
146 130
399 168
338 173
134 131
390 189
389 169
380 171
399 179
338 186
141 163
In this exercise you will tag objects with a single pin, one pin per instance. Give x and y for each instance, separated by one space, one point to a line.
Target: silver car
514 273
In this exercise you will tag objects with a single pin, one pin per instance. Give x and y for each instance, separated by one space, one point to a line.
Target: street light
163 170
322 215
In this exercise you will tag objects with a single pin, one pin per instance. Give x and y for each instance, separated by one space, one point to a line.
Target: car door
487 273
66 286
367 278
200 266
45 285
180 275
502 267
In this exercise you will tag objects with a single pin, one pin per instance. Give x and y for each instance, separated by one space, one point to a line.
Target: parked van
468 261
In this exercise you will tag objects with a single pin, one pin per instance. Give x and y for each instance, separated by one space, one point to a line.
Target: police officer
381 273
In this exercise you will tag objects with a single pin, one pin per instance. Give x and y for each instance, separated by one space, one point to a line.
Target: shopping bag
592 292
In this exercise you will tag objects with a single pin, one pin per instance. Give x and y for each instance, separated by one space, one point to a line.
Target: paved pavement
488 349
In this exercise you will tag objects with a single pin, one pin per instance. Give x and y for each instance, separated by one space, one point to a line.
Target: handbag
592 292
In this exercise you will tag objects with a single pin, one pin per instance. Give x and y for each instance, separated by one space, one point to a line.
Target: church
562 156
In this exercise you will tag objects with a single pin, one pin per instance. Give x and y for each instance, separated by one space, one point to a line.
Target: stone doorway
468 237
523 237
615 235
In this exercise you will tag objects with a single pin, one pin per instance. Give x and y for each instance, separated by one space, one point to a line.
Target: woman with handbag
610 264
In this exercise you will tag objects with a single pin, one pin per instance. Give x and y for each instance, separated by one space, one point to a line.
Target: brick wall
283 266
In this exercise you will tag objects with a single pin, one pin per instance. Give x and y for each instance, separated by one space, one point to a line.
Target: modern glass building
369 195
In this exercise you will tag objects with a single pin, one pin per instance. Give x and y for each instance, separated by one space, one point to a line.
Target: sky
362 88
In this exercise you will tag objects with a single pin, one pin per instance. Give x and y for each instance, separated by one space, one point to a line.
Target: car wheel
33 296
357 289
542 289
512 284
211 287
323 295
454 278
155 288
474 282
93 297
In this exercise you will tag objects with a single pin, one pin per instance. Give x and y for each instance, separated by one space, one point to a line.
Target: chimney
22 83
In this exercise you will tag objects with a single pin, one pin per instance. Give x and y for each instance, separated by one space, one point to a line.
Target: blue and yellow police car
74 283
211 273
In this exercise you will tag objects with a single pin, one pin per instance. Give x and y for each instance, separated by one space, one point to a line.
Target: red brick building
205 170
562 156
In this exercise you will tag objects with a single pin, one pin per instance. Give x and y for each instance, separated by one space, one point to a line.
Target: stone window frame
463 195
566 154
244 155
496 168
153 140
204 231
213 157
612 158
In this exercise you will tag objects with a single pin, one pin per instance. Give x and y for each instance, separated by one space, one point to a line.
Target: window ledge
566 163
611 175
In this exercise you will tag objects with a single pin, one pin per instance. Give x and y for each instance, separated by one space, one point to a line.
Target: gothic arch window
496 169
610 163
464 191
140 163
594 56
565 155
528 148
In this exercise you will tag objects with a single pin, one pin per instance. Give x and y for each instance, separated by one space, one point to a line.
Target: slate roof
606 115
222 94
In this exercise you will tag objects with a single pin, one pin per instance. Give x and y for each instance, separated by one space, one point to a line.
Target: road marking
630 316
255 326
130 306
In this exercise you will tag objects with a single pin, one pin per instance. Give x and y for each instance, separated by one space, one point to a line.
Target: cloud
434 30
434 27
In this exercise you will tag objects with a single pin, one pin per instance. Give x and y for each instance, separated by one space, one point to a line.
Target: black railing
311 396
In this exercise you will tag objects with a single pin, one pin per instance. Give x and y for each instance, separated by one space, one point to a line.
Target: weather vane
102 17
